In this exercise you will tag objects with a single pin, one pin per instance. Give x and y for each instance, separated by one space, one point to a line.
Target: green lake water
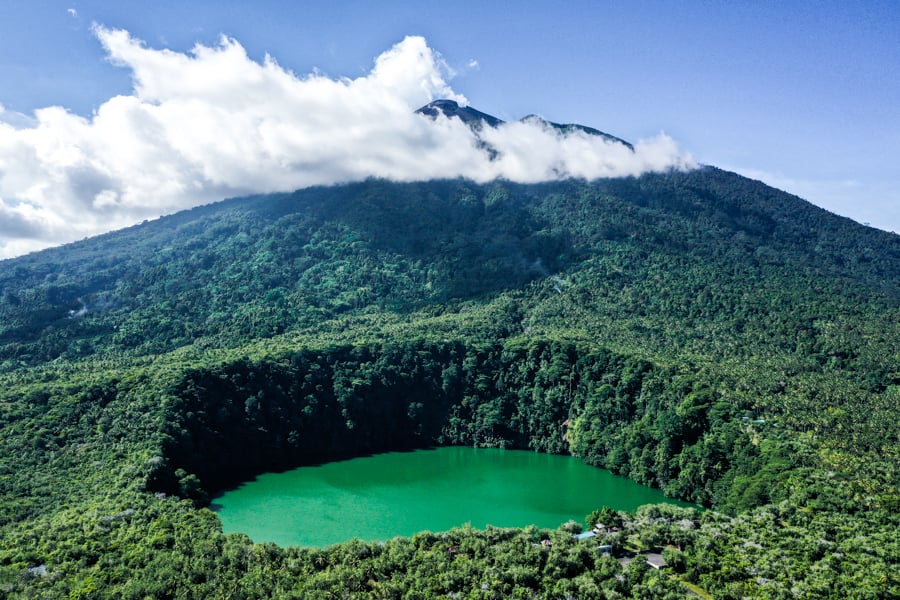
401 493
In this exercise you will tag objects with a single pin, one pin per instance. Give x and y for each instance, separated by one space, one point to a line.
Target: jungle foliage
698 332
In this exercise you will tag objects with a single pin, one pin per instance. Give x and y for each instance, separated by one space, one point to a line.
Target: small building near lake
655 560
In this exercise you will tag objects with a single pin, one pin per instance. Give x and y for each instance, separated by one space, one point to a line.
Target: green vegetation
698 332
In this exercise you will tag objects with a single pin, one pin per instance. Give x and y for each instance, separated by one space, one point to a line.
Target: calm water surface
401 493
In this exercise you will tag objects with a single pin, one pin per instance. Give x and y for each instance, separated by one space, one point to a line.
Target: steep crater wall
235 420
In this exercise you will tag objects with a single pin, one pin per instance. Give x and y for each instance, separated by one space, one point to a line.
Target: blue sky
802 95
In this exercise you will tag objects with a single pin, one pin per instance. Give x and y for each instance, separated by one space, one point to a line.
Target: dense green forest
698 332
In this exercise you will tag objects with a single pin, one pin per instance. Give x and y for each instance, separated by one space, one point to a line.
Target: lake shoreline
382 496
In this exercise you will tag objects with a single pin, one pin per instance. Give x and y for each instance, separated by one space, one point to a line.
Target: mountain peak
566 128
468 115
477 120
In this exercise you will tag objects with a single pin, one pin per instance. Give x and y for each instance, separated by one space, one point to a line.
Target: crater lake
401 493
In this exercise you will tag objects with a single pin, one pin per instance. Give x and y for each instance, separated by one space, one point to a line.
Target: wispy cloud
869 202
213 123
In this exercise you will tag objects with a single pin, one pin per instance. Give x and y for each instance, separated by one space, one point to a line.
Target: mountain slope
700 332
333 250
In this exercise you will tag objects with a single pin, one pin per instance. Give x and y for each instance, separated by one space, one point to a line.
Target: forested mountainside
699 332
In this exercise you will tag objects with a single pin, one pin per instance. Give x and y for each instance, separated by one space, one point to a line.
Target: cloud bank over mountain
213 123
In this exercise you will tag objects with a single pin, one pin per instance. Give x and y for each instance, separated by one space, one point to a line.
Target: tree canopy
697 332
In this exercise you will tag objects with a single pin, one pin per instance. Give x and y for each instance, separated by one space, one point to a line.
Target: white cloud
213 123
72 12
